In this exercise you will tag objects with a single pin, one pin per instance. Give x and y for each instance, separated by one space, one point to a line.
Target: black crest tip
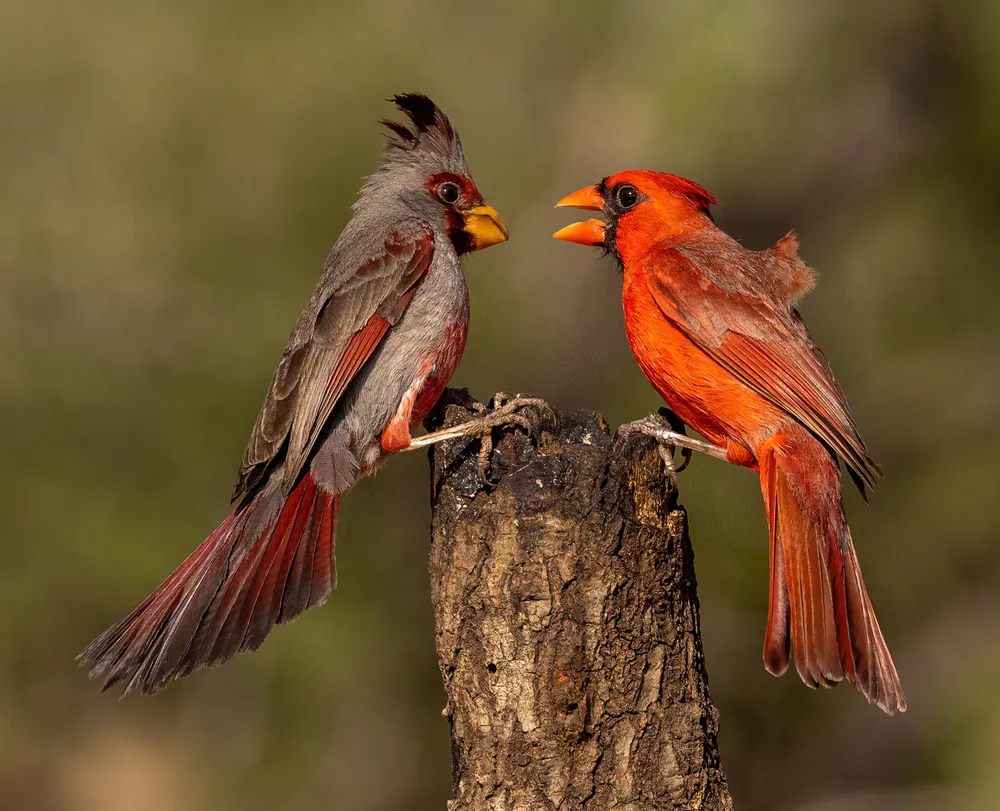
426 117
423 112
405 136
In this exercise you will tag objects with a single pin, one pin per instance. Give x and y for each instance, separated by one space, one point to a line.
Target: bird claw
483 459
669 433
520 401
653 425
676 424
669 468
657 427
511 405
505 410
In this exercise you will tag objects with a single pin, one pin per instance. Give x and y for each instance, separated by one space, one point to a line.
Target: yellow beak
485 227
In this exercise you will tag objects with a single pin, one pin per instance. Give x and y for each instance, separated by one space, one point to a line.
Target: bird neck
645 231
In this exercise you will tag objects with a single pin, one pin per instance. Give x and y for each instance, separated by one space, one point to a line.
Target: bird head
423 173
642 209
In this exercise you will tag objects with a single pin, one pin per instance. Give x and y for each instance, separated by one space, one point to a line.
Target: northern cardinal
368 359
715 329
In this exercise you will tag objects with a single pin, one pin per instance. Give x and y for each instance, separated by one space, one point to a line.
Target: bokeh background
171 178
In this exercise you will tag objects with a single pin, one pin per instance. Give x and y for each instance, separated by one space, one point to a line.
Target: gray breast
350 447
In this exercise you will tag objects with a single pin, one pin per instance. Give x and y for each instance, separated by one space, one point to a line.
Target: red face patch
468 193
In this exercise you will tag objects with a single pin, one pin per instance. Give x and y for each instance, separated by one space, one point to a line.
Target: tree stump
567 625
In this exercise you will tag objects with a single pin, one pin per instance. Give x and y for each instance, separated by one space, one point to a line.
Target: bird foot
670 435
504 410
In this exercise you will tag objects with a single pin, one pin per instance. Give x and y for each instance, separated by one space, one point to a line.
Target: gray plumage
393 205
386 323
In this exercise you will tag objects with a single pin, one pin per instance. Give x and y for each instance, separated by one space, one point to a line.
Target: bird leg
669 431
505 412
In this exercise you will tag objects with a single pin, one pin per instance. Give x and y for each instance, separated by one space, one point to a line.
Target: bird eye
628 196
449 192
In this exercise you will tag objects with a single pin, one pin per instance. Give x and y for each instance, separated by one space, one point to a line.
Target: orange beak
590 232
588 198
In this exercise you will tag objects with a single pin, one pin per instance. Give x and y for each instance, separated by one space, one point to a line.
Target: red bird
371 354
715 329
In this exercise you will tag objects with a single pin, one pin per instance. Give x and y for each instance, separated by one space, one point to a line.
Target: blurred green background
171 178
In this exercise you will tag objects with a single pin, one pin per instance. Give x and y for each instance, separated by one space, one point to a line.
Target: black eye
449 193
628 196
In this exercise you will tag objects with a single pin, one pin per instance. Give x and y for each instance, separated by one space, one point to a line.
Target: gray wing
337 333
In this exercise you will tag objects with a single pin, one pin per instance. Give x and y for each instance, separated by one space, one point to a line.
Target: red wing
357 351
761 341
343 325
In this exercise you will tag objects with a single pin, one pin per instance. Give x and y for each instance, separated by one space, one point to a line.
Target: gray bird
368 359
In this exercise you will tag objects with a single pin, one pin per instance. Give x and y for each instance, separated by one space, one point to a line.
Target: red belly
436 370
443 368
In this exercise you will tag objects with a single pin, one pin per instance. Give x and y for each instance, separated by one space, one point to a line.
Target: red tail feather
819 608
265 564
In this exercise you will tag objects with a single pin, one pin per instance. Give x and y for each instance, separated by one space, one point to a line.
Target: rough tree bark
567 626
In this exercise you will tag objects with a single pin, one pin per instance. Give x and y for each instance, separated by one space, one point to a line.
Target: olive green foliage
171 178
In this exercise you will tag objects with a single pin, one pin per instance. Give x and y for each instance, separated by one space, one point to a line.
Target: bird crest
426 118
682 187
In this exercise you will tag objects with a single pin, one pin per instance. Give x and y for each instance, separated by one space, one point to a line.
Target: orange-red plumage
715 329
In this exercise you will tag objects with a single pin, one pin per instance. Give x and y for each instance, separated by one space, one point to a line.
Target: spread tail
819 608
269 561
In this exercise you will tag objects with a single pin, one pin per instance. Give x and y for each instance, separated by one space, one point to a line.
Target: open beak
588 198
590 232
485 227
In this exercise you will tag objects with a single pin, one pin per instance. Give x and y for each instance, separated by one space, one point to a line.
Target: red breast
701 392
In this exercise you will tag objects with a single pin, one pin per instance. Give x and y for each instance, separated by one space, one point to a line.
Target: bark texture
567 626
